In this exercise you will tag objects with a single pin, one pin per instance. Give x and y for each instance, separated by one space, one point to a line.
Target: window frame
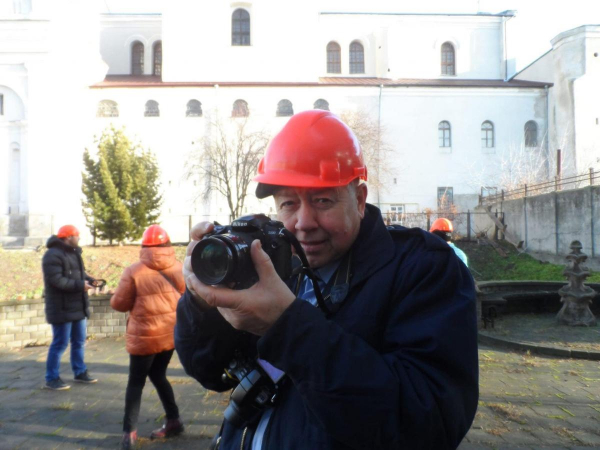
485 135
444 65
148 112
530 135
114 108
140 63
443 137
239 35
289 108
446 191
235 110
330 62
352 55
188 111
154 59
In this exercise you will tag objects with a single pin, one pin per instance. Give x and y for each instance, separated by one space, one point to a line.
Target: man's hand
197 233
87 286
254 309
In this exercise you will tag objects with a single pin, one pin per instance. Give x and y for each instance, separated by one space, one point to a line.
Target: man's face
325 221
73 241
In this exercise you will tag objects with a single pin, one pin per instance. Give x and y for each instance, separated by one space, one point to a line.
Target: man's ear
361 198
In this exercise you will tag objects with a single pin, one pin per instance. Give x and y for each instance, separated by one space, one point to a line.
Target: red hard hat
442 225
66 231
314 149
155 235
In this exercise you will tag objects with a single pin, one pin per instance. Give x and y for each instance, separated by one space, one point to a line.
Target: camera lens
212 261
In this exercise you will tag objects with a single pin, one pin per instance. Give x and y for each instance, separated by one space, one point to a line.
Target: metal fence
558 184
463 223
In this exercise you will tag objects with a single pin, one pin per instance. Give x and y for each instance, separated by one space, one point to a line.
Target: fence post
555 183
189 228
525 191
591 176
502 194
496 228
468 225
428 221
502 222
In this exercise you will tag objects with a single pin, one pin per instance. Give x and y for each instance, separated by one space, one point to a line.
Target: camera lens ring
213 260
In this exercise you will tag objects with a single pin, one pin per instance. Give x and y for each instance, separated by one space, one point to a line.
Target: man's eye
322 201
287 204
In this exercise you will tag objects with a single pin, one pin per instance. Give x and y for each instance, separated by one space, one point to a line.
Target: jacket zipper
243 438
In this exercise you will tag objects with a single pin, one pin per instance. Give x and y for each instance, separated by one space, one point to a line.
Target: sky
537 21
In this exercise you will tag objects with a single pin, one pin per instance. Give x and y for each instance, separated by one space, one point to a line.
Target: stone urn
576 297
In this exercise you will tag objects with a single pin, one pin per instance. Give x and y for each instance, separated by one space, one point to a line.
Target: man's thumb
262 262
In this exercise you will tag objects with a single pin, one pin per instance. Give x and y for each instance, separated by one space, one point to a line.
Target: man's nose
306 218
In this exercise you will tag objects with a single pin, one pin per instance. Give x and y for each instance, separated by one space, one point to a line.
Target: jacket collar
373 247
55 241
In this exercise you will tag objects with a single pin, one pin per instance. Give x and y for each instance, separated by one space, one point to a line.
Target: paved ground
526 402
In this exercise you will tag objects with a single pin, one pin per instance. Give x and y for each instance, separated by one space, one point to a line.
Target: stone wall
24 323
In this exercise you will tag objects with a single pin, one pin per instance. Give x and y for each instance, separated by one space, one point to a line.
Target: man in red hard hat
67 305
391 364
443 228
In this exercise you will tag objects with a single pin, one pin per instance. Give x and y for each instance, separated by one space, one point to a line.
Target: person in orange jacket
149 291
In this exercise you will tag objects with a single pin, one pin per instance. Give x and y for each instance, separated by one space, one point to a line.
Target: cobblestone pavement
526 402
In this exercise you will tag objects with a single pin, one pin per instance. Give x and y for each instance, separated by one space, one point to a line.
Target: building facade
436 86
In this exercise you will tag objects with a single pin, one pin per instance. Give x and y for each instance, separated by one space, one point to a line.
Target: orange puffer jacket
151 300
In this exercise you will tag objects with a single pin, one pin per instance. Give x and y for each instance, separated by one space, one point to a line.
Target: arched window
531 134
240 27
152 109
334 58
137 58
448 59
284 108
107 108
194 109
487 134
357 58
240 109
445 134
321 104
157 67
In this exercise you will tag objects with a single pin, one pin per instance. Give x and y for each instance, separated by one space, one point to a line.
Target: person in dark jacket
390 362
67 305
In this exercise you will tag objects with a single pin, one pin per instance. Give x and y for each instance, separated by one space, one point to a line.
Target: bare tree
376 151
227 160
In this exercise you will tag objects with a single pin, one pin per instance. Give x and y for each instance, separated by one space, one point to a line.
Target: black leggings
140 367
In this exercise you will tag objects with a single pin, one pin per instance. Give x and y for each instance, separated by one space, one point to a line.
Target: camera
222 257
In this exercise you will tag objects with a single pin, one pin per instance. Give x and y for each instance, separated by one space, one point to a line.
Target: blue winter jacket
394 368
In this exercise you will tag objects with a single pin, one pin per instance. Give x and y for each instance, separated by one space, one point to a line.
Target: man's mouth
312 246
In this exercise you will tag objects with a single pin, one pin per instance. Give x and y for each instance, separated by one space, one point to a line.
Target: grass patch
509 411
487 264
64 406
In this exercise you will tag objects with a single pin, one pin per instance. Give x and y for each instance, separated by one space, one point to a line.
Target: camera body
222 257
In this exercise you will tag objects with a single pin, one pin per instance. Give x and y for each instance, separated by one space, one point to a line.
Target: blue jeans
60 340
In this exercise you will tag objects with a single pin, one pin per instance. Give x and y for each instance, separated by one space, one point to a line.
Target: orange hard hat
442 225
66 231
315 149
155 235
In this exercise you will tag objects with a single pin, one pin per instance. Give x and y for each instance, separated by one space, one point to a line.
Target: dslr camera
222 257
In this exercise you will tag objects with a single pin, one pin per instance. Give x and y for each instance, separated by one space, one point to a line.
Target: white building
438 84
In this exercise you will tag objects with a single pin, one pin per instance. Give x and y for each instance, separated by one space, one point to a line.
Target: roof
148 81
507 13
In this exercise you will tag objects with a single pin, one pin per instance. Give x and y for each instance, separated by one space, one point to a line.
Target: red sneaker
129 440
172 427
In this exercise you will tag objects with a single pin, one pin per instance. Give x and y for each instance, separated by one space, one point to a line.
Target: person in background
149 291
443 228
66 304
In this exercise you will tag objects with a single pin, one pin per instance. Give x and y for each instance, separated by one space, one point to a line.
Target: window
357 58
487 134
194 109
531 133
445 134
151 109
137 58
157 69
445 197
107 108
240 109
321 104
240 27
448 60
285 108
334 58
396 212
